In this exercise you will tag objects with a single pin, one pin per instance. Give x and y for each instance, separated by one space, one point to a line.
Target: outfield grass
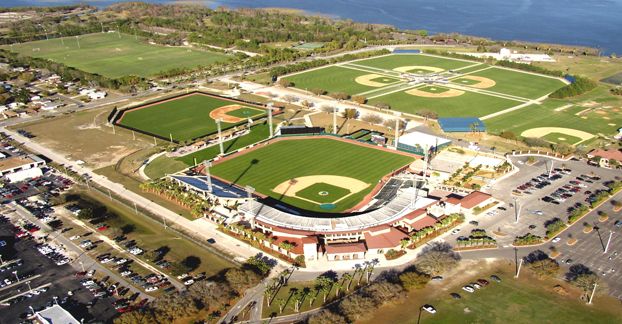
470 104
184 118
394 61
561 138
434 89
246 112
164 165
269 166
331 79
108 55
520 84
544 115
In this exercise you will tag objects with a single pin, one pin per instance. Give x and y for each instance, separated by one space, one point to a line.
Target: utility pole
270 119
520 263
592 295
516 209
249 191
135 209
218 121
335 120
608 241
397 128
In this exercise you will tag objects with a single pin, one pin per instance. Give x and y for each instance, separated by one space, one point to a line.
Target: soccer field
330 175
189 117
108 55
415 82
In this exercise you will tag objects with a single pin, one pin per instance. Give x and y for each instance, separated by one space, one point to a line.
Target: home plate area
324 190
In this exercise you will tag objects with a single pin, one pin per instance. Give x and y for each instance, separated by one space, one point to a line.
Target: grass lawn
323 193
331 79
545 116
434 89
394 61
470 104
561 138
464 81
150 235
165 165
526 300
269 166
114 57
184 118
520 84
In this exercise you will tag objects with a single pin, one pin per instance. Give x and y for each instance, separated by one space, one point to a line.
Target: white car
126 273
429 308
555 240
468 289
455 231
106 260
90 273
152 288
189 282
75 237
121 261
182 276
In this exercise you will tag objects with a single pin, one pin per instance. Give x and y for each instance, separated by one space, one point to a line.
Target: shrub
554 226
527 239
580 86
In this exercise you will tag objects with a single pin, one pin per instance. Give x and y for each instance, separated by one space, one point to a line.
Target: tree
318 91
382 106
285 83
290 98
414 279
359 99
613 163
347 277
508 135
356 306
281 303
372 119
437 258
350 113
86 213
564 148
427 114
324 284
339 95
241 279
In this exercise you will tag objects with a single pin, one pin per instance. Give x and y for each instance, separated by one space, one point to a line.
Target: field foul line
356 68
486 92
375 69
400 89
389 86
466 67
463 74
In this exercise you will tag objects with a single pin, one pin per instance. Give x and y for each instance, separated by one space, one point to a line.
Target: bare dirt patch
290 187
484 83
366 80
447 94
221 113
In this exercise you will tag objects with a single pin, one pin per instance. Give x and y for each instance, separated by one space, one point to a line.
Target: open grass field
524 300
186 117
520 84
474 89
272 166
467 105
595 113
108 55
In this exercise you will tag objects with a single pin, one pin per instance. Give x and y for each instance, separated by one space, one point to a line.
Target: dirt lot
86 136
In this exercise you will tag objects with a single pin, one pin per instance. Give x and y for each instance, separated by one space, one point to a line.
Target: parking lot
574 182
40 280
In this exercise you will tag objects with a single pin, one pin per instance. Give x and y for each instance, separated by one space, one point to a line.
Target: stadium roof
422 140
219 188
389 213
461 124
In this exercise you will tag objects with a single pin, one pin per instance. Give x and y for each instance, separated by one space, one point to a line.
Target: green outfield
185 117
520 84
108 55
274 166
466 105
456 88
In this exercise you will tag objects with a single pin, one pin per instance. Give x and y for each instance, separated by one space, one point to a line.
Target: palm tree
268 294
347 276
282 303
338 285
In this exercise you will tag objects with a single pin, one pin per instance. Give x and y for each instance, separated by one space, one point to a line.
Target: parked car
429 308
495 278
468 288
455 296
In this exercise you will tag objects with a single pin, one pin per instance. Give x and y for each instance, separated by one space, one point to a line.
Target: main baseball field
321 174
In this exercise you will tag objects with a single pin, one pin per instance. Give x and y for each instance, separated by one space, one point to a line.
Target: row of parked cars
476 285
54 253
540 182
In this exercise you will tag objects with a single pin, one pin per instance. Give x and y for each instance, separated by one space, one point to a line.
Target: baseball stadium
189 116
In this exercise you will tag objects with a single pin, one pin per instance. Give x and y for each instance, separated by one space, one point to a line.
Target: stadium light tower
218 121
270 119
249 191
397 127
335 120
208 165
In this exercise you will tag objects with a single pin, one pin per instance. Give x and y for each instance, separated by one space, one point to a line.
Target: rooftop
473 199
608 154
345 248
17 161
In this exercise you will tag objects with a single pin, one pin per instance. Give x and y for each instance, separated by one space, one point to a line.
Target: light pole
249 191
29 288
1 262
82 265
592 295
608 242
218 121
397 128
16 276
520 263
516 209
270 119
208 165
335 120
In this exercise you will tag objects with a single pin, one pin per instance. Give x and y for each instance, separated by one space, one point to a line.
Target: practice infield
458 87
189 116
309 173
112 56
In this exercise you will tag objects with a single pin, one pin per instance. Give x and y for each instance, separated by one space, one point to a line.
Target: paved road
201 228
252 295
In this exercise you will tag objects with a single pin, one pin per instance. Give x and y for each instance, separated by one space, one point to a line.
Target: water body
594 23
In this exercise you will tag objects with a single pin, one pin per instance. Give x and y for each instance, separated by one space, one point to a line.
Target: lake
594 23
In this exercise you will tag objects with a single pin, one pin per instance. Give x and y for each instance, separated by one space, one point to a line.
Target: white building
97 95
509 55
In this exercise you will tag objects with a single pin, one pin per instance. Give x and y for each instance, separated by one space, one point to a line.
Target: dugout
461 125
300 130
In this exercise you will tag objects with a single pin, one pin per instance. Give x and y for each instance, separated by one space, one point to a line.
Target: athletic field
320 175
414 82
108 55
189 117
